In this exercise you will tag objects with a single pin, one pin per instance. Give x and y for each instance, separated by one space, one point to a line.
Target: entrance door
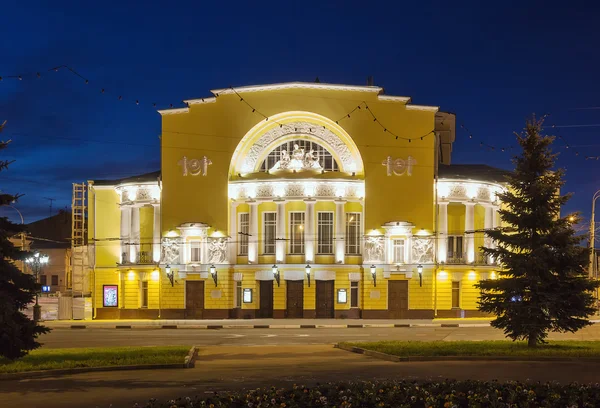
265 309
398 299
194 299
295 299
325 299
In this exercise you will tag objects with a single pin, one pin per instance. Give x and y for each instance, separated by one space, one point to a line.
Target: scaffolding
79 253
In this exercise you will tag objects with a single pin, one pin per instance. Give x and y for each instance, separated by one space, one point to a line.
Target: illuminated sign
342 296
247 295
110 296
45 289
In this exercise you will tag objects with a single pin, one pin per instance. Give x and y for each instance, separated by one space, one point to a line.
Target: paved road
233 368
62 338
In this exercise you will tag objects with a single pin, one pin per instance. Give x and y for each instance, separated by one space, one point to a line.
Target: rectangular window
324 233
296 232
144 294
238 294
43 280
353 233
244 232
195 252
456 295
270 226
54 280
455 247
398 250
353 294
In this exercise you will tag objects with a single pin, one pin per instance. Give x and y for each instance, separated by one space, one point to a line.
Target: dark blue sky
492 66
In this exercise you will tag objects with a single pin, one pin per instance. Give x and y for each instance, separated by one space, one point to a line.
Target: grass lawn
482 348
50 359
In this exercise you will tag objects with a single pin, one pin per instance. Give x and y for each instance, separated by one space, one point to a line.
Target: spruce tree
542 285
18 334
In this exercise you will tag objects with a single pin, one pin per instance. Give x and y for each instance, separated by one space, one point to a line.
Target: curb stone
389 357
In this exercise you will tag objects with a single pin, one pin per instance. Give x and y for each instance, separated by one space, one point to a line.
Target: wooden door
295 299
194 299
324 299
398 299
265 308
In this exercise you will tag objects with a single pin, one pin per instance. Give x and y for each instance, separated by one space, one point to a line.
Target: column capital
445 202
470 203
339 201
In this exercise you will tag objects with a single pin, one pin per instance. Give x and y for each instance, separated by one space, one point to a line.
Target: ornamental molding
297 189
138 193
174 111
468 191
325 275
354 276
297 85
390 98
333 143
194 167
294 275
398 228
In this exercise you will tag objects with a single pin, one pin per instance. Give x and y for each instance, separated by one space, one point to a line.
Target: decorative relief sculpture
374 249
297 162
457 191
325 190
332 141
294 190
422 250
483 193
217 250
264 190
171 249
194 166
399 167
143 194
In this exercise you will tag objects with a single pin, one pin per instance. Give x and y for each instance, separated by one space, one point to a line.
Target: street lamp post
36 262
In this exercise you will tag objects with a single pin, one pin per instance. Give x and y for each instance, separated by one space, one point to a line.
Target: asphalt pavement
63 338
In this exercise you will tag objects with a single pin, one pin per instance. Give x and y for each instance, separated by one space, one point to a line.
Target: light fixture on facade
170 273
374 274
420 272
307 267
276 274
213 272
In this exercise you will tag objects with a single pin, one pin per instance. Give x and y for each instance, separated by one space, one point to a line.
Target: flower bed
442 394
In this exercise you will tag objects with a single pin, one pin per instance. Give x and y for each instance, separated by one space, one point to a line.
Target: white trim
324 275
238 276
422 108
294 275
173 111
354 276
264 241
198 101
391 98
297 85
264 275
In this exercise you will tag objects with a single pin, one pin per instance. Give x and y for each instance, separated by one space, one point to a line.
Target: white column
134 237
280 242
253 238
495 221
469 227
125 232
487 224
442 240
340 231
156 234
309 231
233 233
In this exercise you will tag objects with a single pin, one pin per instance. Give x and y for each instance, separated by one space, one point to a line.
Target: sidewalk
264 323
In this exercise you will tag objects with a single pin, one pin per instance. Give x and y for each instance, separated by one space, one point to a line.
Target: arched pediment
267 135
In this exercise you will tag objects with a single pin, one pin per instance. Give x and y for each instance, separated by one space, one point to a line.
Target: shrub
442 394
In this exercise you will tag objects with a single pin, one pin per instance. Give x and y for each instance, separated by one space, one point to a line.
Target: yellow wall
208 129
105 223
456 219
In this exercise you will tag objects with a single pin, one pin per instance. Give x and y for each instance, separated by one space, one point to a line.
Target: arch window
299 155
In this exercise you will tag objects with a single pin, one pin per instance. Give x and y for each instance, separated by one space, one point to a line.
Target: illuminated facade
288 201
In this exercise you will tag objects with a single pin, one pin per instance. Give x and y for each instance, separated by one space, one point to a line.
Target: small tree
542 286
18 334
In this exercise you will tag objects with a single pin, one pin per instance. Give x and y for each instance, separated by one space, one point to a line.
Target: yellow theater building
295 200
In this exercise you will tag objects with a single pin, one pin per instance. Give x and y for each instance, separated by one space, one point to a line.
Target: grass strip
482 348
52 359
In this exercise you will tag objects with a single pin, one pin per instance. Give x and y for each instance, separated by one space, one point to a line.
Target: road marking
269 335
234 336
302 335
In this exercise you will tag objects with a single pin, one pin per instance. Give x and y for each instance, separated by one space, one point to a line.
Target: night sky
493 67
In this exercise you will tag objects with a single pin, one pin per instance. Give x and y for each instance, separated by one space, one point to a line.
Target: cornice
298 85
173 111
390 98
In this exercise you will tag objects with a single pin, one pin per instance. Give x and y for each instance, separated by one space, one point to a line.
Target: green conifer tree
542 285
18 334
